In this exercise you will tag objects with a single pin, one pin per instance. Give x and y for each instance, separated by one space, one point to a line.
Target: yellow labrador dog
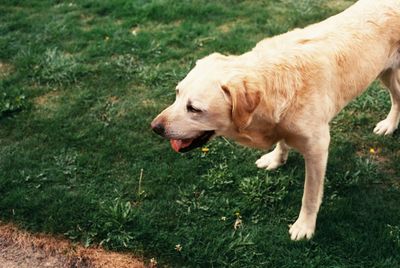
287 89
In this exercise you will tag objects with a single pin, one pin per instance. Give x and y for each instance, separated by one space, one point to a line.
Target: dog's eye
192 109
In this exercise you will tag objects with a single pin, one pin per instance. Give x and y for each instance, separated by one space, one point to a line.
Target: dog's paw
270 161
385 127
302 229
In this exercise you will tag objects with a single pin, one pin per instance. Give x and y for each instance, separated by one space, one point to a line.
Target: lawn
81 82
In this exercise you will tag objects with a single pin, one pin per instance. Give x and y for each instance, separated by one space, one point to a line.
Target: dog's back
356 45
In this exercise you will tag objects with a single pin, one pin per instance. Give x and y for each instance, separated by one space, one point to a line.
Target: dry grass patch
48 100
228 26
5 69
340 5
21 249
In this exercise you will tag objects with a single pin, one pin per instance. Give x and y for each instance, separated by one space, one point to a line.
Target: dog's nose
158 128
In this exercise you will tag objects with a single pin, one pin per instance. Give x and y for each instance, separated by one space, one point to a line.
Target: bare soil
19 249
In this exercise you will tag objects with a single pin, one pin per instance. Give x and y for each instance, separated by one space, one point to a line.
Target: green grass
80 84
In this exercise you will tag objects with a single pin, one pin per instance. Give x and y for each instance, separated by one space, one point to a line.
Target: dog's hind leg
274 159
391 79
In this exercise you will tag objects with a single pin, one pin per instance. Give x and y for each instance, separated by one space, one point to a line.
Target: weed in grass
56 67
109 111
219 177
112 226
120 219
125 66
363 171
265 191
192 200
11 99
394 233
66 162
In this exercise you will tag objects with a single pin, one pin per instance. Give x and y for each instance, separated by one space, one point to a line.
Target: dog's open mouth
182 146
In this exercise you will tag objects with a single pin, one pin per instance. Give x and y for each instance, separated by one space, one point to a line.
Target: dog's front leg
315 153
276 158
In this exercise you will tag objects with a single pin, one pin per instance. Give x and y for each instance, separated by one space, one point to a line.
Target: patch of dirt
19 249
113 99
86 21
340 5
149 103
230 25
44 99
5 69
226 27
153 27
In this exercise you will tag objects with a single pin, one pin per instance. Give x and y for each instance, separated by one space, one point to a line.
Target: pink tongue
179 144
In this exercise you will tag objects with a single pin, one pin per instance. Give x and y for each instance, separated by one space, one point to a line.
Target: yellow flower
205 150
372 151
106 38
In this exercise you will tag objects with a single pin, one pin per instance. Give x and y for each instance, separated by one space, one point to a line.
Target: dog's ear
244 100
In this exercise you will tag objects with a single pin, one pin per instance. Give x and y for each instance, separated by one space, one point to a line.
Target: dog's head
213 99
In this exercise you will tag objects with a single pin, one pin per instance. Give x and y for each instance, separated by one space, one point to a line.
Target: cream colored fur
288 88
